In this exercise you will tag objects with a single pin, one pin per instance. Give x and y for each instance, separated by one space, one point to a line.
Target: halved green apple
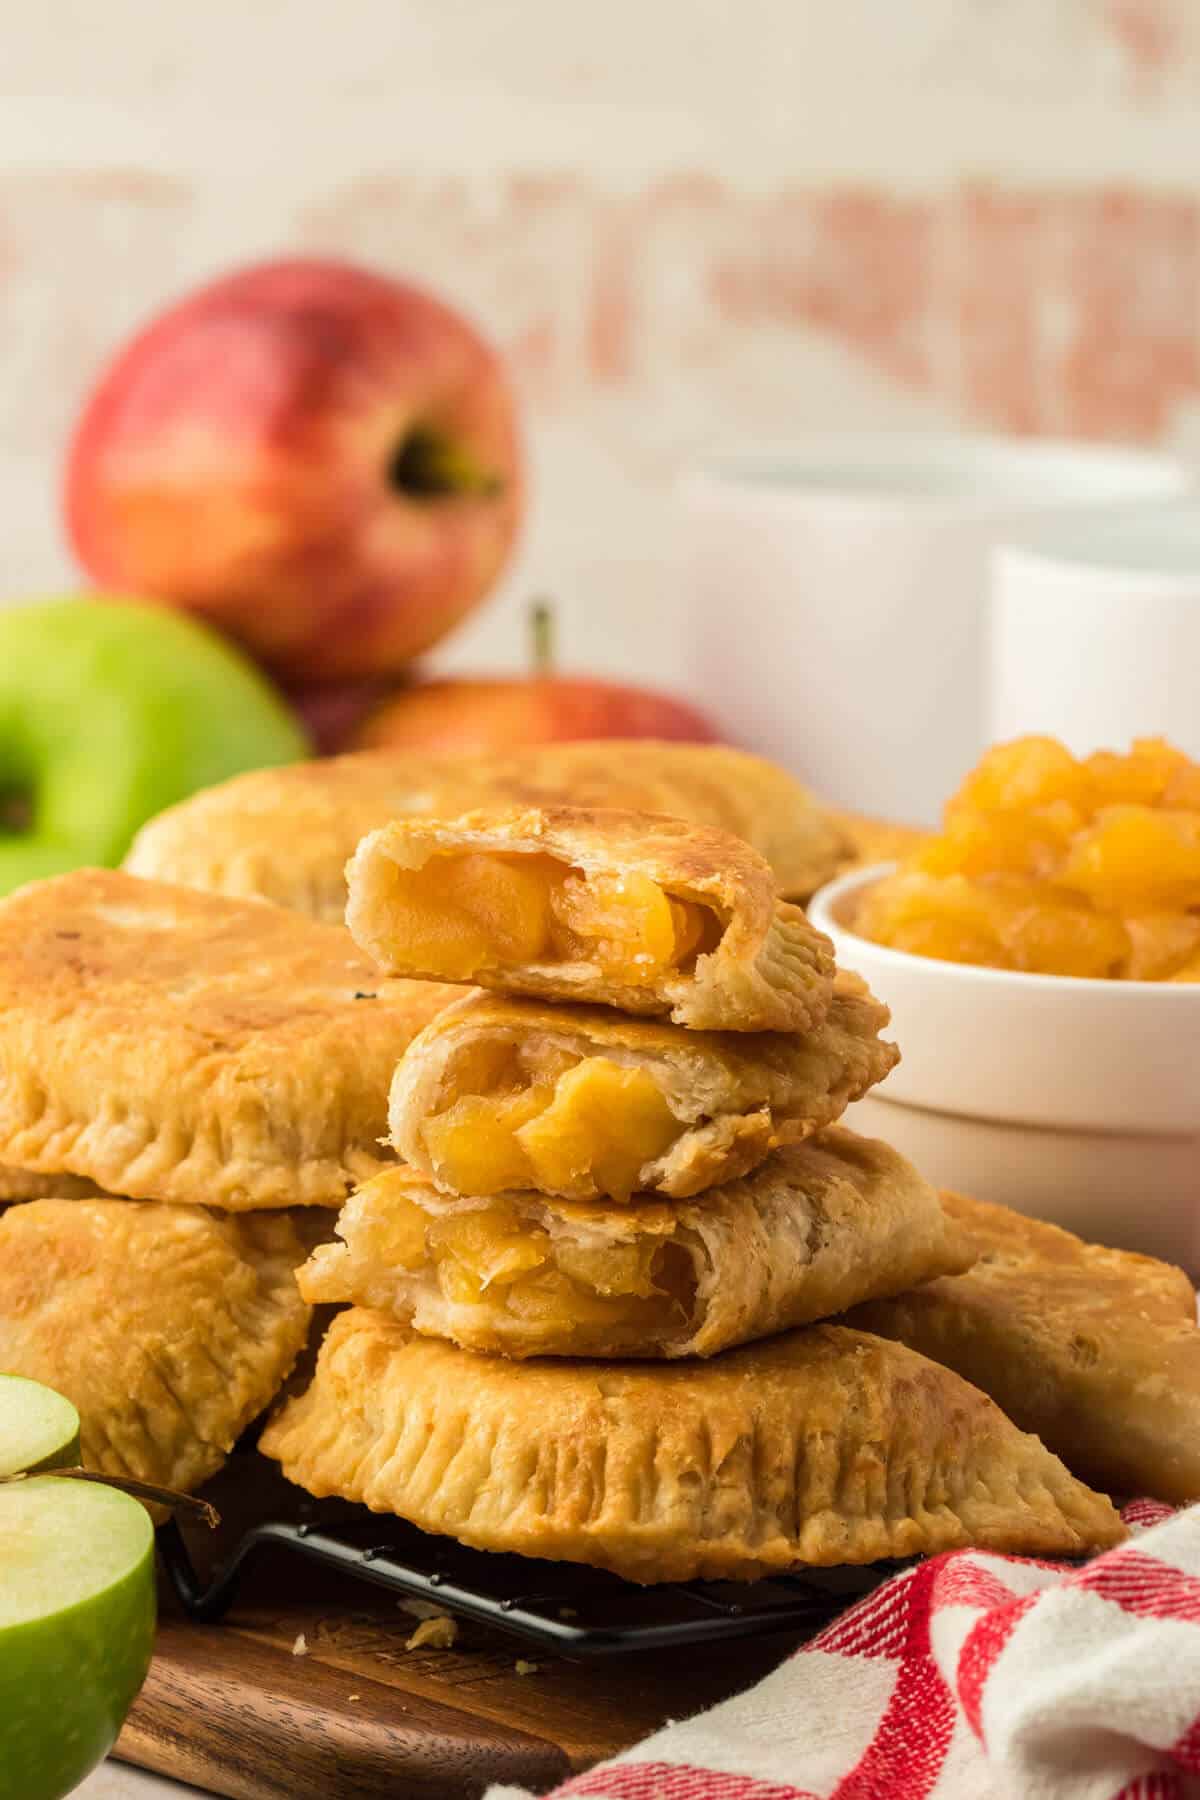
77 1603
39 1429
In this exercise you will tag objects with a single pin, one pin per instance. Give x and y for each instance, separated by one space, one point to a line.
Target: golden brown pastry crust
737 1097
171 1045
286 834
770 971
1096 1350
814 1228
822 1446
169 1327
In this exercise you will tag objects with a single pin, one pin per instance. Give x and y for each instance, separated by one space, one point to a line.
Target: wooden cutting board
230 1707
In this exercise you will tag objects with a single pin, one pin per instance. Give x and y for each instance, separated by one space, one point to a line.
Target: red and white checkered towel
967 1677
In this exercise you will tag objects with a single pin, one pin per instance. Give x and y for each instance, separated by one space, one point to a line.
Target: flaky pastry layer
647 914
584 1102
822 1446
815 1228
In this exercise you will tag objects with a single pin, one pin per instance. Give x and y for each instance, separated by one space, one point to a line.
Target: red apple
475 715
321 461
482 715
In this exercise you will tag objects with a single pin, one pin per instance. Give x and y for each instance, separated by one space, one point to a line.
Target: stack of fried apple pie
617 1286
587 1298
189 1088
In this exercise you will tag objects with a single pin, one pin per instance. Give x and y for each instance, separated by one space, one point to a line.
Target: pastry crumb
300 1647
436 1633
354 1696
527 1668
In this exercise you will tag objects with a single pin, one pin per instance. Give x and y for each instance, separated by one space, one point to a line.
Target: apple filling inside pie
489 1254
541 1118
465 912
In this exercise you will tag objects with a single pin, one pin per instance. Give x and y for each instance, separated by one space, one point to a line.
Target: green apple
39 1429
109 713
77 1607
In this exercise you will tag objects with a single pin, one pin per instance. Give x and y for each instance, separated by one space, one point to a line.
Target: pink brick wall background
688 223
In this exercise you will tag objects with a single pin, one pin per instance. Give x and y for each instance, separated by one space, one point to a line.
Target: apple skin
484 715
239 459
69 1676
110 713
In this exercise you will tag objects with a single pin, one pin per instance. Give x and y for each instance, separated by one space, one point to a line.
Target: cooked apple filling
463 913
489 1253
589 1127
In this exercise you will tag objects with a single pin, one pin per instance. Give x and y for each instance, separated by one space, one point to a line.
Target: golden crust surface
816 1227
169 1327
1096 1350
738 1097
822 1446
286 834
770 971
178 1046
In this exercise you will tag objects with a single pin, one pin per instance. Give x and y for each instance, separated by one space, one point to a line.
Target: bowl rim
875 470
821 913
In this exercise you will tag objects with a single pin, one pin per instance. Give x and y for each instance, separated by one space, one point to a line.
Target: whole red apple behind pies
320 460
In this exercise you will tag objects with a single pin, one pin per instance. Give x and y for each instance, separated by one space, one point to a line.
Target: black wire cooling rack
556 1606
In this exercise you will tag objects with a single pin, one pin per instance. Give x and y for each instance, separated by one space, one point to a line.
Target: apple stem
429 467
202 1510
541 637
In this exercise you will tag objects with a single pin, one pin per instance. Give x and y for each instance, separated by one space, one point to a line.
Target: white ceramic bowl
836 593
1095 631
1074 1100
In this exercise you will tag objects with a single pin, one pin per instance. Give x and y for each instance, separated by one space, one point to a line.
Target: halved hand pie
815 1228
821 1446
1096 1350
170 1327
583 1102
643 913
173 1045
285 834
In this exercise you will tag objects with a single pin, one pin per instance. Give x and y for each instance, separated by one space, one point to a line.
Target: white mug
835 595
1095 632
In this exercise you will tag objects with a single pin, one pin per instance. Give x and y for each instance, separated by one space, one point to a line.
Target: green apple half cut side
77 1610
77 1602
111 710
39 1429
